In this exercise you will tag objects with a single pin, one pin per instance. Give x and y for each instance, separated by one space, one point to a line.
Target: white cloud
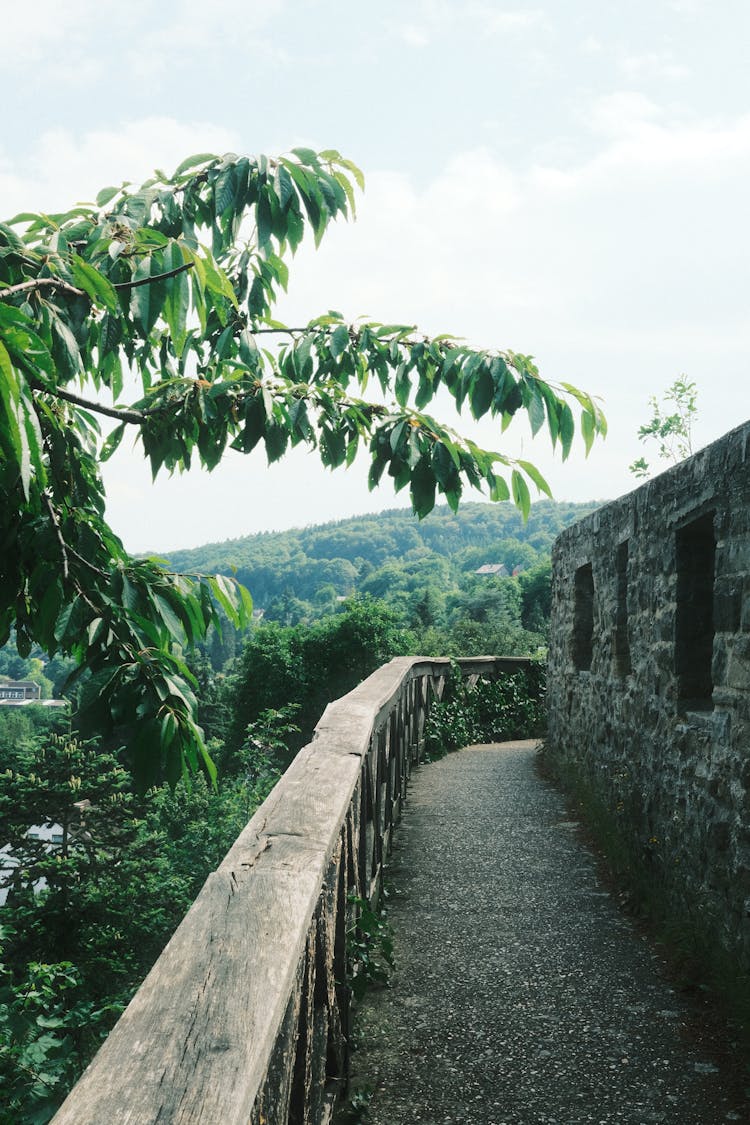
621 113
412 34
435 18
30 31
81 41
591 45
641 139
63 168
653 64
507 20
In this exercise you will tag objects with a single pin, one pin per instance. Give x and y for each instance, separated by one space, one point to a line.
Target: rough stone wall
649 679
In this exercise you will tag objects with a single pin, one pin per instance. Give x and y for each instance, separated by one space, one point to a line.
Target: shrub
512 706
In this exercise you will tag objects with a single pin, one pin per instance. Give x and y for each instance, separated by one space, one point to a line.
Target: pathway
521 996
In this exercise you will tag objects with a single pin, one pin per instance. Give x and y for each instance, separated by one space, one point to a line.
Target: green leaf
147 301
402 385
10 237
443 466
98 287
177 298
306 156
224 190
65 350
216 280
13 438
567 428
26 348
106 195
422 489
535 410
6 367
112 442
339 340
481 393
355 171
588 430
533 473
263 220
520 491
191 162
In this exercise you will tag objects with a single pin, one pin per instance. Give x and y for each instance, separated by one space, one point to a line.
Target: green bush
512 706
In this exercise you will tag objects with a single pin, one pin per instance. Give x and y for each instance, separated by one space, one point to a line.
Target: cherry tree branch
73 291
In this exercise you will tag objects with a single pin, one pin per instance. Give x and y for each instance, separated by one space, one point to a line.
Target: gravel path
521 995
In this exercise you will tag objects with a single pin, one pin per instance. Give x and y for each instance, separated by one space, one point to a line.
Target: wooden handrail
245 1016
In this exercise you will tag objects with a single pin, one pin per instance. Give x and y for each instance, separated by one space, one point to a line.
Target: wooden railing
245 1016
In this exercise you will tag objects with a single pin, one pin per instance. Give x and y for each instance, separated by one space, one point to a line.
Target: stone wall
649 680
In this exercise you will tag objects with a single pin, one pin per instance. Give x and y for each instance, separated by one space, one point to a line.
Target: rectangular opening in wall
583 618
621 646
694 623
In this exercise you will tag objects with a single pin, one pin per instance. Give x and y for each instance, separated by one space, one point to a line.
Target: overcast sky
568 180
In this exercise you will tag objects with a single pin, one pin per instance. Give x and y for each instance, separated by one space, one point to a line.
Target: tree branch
42 283
59 534
135 416
123 285
72 291
85 562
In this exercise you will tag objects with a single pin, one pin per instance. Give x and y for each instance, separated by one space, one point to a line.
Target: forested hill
368 554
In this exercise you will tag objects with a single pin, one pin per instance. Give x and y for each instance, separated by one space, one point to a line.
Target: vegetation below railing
124 847
245 1016
88 913
512 706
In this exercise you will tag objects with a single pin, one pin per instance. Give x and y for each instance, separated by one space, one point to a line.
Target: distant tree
428 606
536 596
175 282
308 665
671 425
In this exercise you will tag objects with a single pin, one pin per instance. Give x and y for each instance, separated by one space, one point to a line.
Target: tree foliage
488 711
172 284
309 666
95 889
671 425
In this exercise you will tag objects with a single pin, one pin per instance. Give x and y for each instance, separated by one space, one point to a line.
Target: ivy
512 706
369 947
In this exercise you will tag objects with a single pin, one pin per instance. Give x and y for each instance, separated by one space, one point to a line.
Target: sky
568 180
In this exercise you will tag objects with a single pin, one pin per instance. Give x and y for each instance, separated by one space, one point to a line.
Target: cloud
63 168
618 271
642 139
653 64
434 19
62 43
508 20
621 113
412 34
591 45
32 32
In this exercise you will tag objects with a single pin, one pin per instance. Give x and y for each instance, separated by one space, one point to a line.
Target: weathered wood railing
244 1018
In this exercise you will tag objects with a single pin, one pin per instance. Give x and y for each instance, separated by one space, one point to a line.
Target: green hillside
383 553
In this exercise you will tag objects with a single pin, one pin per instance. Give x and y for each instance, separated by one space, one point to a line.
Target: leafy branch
671 430
64 287
164 282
